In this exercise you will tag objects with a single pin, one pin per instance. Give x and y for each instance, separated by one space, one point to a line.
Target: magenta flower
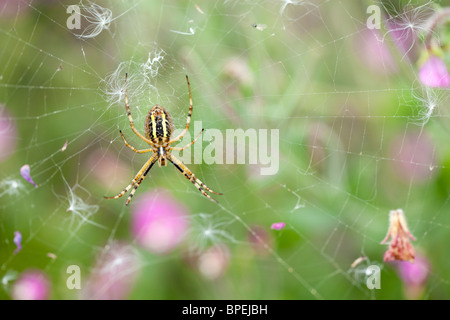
114 273
31 285
414 273
159 222
277 226
375 53
25 172
414 276
8 132
433 73
17 241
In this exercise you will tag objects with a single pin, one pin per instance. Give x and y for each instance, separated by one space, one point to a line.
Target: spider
158 134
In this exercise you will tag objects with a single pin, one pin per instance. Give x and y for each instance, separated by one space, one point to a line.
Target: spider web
356 141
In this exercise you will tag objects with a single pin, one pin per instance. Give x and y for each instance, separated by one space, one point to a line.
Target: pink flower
159 222
433 73
213 262
277 225
414 153
25 173
260 240
108 168
414 273
114 274
10 9
400 247
414 276
31 285
8 132
375 53
17 241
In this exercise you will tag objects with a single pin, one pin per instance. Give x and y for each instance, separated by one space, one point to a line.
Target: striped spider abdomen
158 126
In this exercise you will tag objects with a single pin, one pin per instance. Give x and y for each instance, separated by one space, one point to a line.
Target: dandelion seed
99 19
80 209
25 172
404 38
141 77
18 241
153 63
405 26
400 247
114 274
10 187
360 269
277 226
207 230
430 101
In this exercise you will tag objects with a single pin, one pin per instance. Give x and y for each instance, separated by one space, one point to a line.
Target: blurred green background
354 143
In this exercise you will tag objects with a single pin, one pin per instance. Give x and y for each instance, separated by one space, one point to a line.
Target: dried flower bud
400 247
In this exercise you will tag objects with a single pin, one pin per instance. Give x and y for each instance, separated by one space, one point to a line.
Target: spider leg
188 145
189 175
140 181
188 121
150 162
127 107
133 148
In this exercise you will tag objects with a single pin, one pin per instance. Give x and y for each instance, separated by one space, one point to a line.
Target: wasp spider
158 134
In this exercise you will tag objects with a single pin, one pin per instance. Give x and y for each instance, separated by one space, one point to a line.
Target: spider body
158 134
158 126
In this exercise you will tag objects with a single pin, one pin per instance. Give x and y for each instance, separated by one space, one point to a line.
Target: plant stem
436 19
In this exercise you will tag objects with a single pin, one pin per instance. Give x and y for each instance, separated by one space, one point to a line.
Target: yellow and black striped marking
158 126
